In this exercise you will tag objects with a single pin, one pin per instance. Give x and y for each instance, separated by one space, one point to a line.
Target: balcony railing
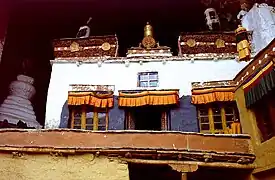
161 145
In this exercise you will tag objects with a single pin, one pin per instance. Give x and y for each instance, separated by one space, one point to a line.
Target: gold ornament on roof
148 30
74 47
106 46
191 42
148 40
220 43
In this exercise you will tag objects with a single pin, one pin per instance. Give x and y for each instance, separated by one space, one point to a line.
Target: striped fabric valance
91 98
260 85
128 99
209 95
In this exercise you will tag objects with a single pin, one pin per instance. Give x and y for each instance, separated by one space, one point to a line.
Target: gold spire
148 30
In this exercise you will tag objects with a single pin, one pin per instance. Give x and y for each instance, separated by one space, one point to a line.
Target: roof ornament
148 40
243 45
84 31
212 19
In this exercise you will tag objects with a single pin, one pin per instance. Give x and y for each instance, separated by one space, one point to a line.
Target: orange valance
91 98
148 98
204 96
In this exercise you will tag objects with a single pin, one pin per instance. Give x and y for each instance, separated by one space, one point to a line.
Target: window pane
229 120
101 119
153 76
203 112
101 128
216 111
77 119
89 118
205 127
144 84
229 110
89 127
143 77
89 121
153 83
217 118
204 119
218 125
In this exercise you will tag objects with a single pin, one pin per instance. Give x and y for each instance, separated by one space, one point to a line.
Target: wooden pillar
83 117
130 121
223 116
164 121
107 120
211 120
183 176
95 120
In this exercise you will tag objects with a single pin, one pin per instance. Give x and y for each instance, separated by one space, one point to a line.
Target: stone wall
48 167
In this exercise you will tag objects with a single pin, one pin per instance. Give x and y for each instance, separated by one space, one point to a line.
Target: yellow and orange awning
91 98
209 95
129 99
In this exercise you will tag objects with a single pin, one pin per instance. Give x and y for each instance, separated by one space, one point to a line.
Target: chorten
17 107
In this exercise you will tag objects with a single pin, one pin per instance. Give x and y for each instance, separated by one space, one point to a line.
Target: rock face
261 21
17 106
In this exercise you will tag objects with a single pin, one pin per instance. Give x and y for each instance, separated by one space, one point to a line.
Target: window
148 79
83 117
217 118
147 118
265 116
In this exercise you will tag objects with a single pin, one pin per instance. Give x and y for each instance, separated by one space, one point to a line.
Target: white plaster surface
172 75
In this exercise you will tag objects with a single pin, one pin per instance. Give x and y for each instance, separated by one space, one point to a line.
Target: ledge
184 57
131 144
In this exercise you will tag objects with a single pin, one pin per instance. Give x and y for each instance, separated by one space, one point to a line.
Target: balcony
149 146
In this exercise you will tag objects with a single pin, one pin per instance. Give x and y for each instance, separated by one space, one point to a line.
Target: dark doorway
219 174
152 172
147 118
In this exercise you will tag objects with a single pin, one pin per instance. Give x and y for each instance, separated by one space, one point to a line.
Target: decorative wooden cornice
213 84
93 46
161 51
89 88
207 43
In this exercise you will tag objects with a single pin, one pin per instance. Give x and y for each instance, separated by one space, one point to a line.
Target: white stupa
17 106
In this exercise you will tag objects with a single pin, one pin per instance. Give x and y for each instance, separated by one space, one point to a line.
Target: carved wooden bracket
184 168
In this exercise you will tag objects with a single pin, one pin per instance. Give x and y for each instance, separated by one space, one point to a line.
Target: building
206 113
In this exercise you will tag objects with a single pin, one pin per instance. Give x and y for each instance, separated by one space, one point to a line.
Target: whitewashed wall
172 75
261 21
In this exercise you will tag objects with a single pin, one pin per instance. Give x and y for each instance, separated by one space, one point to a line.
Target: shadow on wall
64 117
183 118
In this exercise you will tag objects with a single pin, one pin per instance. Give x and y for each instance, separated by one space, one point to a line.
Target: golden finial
148 30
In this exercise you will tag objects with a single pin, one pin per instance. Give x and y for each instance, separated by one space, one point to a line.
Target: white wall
261 21
172 75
